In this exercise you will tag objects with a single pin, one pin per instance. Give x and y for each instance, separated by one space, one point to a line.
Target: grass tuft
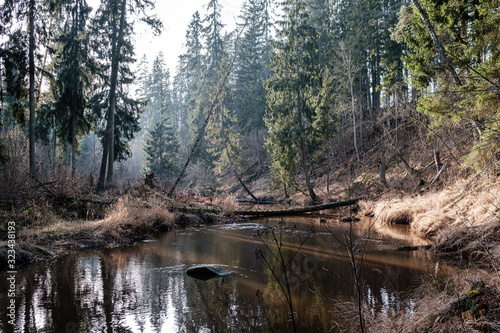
132 218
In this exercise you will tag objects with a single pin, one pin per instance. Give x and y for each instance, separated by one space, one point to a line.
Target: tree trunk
284 212
257 144
437 44
305 161
381 173
73 146
437 160
31 23
109 140
105 153
2 131
354 124
239 178
54 145
112 94
202 130
369 103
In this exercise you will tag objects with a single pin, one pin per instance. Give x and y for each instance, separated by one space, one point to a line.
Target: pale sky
176 15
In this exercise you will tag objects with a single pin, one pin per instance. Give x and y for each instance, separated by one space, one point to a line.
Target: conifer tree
252 68
15 86
26 10
292 96
451 60
162 150
115 50
73 67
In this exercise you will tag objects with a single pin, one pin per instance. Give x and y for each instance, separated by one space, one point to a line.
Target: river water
144 288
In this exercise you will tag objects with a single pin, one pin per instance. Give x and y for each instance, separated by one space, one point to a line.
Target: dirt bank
462 220
128 221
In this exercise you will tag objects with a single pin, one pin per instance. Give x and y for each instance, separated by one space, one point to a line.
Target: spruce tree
114 29
73 67
252 69
162 150
452 62
292 96
26 10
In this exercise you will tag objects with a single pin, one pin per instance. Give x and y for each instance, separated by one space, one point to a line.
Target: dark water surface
144 288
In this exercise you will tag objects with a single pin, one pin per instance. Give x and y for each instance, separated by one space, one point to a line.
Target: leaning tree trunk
436 42
202 130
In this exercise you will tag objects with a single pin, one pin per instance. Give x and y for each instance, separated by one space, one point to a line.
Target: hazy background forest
388 108
298 90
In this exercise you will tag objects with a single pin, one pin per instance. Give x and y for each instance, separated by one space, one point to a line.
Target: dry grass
483 314
480 244
131 218
463 220
128 220
432 212
367 207
228 203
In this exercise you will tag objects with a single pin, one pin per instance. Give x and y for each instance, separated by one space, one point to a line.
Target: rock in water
206 272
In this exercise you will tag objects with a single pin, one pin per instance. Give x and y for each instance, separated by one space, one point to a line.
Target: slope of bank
128 221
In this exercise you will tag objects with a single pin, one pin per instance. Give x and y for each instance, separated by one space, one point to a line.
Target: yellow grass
228 203
432 212
127 220
130 218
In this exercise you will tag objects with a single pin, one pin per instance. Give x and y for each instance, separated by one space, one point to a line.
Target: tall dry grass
126 221
429 213
228 203
463 220
132 218
433 296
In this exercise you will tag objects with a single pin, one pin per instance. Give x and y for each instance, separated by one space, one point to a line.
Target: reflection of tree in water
145 288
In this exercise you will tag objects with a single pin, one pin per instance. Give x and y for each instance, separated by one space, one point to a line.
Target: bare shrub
430 313
229 204
14 177
367 208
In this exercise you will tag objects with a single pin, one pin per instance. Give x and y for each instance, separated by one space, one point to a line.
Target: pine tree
451 60
160 94
252 68
162 150
115 50
142 78
15 85
292 96
73 67
26 10
212 33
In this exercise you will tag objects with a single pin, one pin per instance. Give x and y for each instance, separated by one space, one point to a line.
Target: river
144 288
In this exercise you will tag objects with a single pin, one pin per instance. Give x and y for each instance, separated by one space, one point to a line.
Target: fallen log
271 213
297 211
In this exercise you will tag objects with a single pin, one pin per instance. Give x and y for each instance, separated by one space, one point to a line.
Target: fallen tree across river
271 213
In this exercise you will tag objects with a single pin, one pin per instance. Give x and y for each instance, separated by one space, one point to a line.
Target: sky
176 15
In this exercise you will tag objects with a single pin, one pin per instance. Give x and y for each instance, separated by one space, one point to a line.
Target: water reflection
144 288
